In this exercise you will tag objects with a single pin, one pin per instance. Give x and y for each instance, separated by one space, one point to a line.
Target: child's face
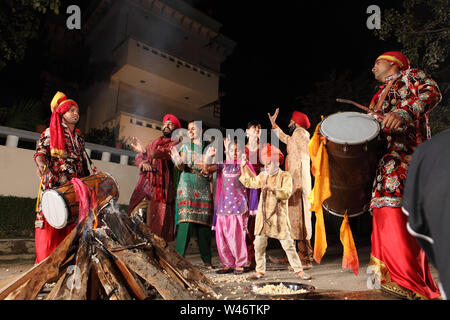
233 151
71 116
271 164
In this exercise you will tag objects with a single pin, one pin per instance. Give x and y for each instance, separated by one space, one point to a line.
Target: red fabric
404 61
174 120
400 252
83 197
301 119
48 238
57 137
270 152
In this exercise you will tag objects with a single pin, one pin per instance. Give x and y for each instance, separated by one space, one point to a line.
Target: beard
292 129
167 132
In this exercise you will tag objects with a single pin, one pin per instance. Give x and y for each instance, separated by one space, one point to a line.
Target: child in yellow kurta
272 216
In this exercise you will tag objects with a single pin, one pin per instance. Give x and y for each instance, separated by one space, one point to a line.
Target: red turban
59 105
301 119
173 119
271 153
397 57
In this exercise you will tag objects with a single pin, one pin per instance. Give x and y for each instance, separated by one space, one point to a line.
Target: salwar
288 247
203 234
230 240
397 259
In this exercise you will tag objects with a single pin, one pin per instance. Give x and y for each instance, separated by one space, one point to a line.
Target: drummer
59 156
404 100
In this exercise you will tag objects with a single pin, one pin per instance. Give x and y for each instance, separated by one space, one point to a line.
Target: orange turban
271 153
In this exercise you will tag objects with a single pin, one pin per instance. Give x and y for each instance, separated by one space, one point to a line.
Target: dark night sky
283 47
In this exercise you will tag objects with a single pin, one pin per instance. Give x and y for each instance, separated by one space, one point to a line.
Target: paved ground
329 280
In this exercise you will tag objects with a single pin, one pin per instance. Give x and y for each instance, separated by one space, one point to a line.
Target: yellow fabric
350 257
54 103
320 192
57 153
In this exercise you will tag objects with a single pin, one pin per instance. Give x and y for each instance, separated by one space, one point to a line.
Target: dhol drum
59 205
353 147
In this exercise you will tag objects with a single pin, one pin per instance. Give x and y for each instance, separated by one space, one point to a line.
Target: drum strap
384 94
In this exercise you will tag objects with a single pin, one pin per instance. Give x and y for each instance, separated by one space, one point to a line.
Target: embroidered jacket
412 94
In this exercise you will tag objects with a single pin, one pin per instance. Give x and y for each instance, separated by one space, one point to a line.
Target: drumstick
39 192
359 106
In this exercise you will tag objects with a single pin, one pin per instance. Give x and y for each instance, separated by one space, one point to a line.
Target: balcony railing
13 136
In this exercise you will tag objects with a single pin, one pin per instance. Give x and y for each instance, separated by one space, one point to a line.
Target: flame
94 207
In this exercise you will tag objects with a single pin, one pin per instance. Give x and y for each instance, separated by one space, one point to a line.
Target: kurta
298 165
157 186
61 171
194 199
272 215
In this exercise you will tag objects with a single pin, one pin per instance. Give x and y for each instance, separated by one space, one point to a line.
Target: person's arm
423 96
285 192
247 178
42 152
177 158
278 132
208 165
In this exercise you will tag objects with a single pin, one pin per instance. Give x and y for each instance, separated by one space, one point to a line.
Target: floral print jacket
412 94
61 170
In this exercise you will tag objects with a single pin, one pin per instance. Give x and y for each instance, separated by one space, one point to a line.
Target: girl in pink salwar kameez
231 215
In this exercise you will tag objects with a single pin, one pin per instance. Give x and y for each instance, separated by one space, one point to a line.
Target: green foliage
19 23
105 136
23 114
423 30
17 217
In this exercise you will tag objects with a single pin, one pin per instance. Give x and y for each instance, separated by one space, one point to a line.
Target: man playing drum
298 165
406 97
155 190
59 156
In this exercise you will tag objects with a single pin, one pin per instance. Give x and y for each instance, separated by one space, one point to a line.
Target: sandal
238 271
303 275
224 270
257 275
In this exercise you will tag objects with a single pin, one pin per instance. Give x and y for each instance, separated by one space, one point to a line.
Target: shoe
238 271
224 270
208 266
257 275
303 275
283 260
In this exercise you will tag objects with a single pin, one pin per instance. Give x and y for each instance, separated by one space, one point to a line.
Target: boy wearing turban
397 263
60 157
298 165
272 219
155 190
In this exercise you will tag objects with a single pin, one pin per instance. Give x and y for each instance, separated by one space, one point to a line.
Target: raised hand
137 145
274 117
244 160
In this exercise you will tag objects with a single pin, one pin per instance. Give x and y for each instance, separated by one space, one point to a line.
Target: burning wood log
113 257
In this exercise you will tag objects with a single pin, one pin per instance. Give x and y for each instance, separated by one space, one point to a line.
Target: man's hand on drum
392 121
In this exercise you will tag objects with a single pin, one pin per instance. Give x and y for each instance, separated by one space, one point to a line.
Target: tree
19 23
423 29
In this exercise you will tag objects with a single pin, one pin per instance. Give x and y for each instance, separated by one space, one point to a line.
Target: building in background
149 58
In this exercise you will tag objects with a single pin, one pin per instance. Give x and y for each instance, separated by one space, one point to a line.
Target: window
149 125
146 48
139 123
154 51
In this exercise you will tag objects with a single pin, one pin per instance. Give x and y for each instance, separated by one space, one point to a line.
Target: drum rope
40 187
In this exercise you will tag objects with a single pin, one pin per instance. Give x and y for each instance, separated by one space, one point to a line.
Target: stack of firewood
120 259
